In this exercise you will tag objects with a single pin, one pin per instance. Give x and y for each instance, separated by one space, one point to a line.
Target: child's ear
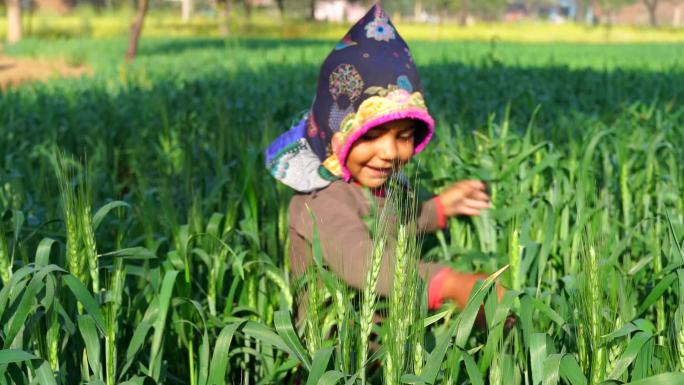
337 141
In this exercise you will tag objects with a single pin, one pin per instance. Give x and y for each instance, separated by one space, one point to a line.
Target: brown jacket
344 237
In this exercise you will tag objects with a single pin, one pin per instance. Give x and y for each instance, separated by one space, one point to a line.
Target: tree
610 6
247 4
588 11
186 10
13 21
312 9
652 6
463 12
281 8
136 29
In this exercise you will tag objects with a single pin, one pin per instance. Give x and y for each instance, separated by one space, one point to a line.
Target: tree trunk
186 10
13 21
29 22
136 29
463 16
281 8
595 18
248 9
312 9
652 6
609 17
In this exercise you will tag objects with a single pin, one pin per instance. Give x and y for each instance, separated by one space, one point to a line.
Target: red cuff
441 218
435 288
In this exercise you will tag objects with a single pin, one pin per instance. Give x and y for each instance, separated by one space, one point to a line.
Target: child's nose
388 150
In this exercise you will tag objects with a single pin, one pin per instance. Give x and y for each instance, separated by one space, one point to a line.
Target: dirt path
17 71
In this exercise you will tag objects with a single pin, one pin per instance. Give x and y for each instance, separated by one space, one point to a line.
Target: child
368 118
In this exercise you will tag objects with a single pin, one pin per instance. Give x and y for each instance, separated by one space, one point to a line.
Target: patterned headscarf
367 80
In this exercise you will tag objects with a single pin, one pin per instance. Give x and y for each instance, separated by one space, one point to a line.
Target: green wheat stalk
313 312
678 324
88 238
71 217
591 327
369 302
405 331
5 259
515 251
680 338
398 324
369 297
616 348
113 309
53 339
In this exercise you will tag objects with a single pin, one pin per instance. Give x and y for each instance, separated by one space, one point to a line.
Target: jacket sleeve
346 242
431 216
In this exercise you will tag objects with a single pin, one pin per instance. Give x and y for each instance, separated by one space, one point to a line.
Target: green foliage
154 250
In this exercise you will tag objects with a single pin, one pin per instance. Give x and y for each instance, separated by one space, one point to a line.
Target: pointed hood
367 80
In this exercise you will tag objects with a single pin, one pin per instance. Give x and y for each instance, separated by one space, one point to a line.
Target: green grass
162 179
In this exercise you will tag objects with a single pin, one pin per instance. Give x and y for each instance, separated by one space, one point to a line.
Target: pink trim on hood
411 113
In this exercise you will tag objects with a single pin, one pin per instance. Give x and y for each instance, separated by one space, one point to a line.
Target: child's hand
457 287
467 197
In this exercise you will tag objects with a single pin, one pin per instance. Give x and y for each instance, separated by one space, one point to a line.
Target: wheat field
143 242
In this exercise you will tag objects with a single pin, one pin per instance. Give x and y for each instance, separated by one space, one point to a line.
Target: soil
17 71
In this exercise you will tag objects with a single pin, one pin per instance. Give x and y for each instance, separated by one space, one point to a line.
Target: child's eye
367 137
406 135
370 135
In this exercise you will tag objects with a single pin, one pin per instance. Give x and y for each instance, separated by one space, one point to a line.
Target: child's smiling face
381 151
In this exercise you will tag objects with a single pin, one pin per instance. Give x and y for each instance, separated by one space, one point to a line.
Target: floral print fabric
380 29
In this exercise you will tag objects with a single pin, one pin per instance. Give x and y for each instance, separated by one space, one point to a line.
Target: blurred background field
611 33
586 21
143 242
84 24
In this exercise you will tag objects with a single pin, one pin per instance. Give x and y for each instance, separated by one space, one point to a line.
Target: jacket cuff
441 218
435 288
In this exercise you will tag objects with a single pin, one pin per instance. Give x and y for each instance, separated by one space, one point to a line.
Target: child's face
381 151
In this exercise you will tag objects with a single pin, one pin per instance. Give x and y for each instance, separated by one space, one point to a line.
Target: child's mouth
380 172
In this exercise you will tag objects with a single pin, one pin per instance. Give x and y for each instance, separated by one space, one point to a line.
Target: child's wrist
441 214
458 286
436 288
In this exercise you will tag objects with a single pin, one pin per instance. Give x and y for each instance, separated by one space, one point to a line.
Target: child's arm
467 197
431 216
344 238
346 245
